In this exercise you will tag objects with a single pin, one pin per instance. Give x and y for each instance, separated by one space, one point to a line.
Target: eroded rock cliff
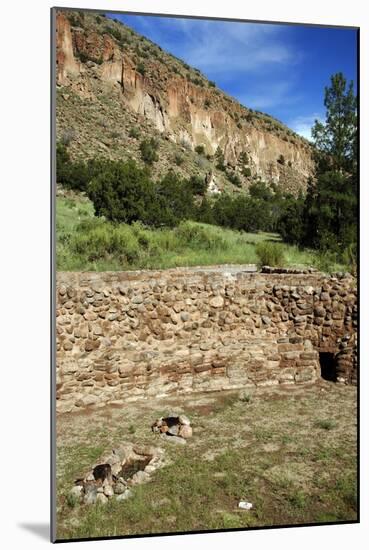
104 67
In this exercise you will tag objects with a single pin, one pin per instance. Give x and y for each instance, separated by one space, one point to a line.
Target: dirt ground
289 451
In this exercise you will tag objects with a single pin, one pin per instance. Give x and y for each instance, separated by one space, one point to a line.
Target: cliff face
97 56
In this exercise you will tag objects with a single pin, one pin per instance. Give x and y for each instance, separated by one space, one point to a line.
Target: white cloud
302 124
267 96
220 47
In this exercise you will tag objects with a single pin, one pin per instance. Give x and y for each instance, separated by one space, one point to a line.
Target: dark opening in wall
328 366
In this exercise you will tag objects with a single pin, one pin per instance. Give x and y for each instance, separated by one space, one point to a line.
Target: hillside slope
115 88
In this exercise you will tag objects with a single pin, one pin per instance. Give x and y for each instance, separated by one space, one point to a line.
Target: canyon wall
189 114
123 336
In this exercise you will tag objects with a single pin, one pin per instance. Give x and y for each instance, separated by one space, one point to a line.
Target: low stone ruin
124 336
174 428
113 476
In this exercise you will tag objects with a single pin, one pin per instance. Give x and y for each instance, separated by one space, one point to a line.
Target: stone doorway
328 366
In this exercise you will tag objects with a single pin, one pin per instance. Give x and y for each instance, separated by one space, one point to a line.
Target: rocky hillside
116 88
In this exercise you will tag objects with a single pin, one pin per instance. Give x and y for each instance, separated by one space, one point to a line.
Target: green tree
330 206
204 212
337 136
330 212
290 223
122 192
62 164
260 190
197 185
74 174
175 200
326 218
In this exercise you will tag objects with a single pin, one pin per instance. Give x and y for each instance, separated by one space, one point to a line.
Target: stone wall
126 335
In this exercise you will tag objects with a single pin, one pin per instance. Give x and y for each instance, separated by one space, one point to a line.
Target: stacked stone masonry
122 336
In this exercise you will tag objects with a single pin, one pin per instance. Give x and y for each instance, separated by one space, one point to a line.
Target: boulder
185 431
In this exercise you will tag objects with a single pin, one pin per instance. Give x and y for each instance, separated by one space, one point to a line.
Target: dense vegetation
324 219
86 242
124 192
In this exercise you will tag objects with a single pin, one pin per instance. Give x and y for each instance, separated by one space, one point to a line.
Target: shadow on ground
42 530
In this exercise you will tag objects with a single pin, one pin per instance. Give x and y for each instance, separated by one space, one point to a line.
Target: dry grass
291 453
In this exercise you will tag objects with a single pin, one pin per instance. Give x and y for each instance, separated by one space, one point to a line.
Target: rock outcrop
138 77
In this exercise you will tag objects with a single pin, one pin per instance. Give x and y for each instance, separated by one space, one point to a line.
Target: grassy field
292 453
87 243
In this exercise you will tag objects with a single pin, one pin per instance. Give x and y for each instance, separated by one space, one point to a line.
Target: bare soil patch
292 453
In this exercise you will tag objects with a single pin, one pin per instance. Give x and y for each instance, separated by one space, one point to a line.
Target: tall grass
270 253
88 243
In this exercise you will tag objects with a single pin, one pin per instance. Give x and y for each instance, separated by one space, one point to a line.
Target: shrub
62 163
134 132
68 135
148 148
207 103
349 257
220 159
201 162
325 261
99 240
198 185
271 254
212 84
197 236
83 57
245 397
74 175
200 149
178 159
115 33
75 19
141 69
326 424
246 172
197 81
72 500
184 143
234 178
281 159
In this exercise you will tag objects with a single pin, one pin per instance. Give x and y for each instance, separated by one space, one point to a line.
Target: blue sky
278 69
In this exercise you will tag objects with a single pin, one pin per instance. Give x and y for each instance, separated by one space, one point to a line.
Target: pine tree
330 204
337 136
